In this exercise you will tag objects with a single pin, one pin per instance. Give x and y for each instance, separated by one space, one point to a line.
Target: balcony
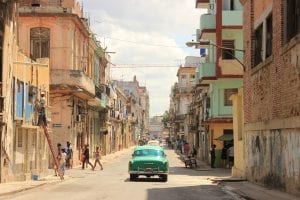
207 25
232 18
202 3
207 73
72 81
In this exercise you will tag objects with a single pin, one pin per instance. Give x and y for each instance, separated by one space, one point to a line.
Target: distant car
148 161
153 142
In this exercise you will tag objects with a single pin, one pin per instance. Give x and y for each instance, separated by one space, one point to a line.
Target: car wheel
164 178
133 177
148 176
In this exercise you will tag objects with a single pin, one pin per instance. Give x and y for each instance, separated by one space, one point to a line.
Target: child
62 161
97 158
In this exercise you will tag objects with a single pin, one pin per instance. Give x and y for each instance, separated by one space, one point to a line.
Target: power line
147 44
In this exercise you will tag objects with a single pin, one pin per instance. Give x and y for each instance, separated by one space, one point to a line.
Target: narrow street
113 183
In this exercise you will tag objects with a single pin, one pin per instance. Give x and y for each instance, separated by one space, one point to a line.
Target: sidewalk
239 188
14 187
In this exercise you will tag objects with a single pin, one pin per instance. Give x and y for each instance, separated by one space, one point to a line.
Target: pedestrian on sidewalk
212 156
69 157
224 157
56 168
86 159
186 148
62 161
97 158
231 156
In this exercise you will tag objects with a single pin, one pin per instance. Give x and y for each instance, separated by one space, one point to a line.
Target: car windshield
148 152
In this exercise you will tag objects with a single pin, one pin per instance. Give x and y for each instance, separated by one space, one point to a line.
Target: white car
153 142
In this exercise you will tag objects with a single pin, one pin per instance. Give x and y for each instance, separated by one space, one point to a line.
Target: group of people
227 156
85 157
65 157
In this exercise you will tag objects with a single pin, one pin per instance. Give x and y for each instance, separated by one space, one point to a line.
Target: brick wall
272 89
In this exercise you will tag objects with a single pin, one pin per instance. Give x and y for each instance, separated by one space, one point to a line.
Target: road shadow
145 179
203 192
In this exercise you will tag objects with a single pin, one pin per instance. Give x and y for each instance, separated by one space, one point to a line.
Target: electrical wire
147 44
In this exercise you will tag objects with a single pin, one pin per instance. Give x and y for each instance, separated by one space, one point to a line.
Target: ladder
57 168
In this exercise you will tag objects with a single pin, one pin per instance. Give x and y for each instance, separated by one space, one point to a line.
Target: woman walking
97 158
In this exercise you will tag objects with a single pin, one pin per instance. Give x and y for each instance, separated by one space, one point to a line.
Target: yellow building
24 151
238 170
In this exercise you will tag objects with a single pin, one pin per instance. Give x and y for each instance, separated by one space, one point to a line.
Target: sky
143 33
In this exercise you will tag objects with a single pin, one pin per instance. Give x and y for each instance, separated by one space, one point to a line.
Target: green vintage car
148 161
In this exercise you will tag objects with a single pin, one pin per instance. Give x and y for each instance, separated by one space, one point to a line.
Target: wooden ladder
58 170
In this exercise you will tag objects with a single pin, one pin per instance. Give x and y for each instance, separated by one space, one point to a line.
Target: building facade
23 80
60 31
271 88
219 74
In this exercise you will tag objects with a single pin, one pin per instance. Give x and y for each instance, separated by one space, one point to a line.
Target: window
269 36
39 43
263 40
231 5
227 94
20 138
258 45
228 51
292 20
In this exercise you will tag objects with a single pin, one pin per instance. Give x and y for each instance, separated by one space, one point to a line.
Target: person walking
224 157
58 156
212 156
86 159
230 153
97 158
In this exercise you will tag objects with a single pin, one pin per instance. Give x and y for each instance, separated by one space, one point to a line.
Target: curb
21 190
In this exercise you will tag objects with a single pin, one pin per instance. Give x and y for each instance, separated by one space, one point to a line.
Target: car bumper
149 172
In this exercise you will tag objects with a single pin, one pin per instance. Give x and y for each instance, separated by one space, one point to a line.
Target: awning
226 137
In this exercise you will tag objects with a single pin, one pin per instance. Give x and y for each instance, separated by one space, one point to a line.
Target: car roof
148 147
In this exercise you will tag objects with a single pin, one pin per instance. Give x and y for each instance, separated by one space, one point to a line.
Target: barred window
228 51
292 19
263 41
258 45
39 42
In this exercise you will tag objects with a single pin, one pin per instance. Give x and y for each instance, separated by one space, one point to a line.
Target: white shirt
231 152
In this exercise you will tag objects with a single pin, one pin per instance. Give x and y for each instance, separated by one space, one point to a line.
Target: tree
166 119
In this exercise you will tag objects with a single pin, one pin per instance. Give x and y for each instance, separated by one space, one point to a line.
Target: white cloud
162 22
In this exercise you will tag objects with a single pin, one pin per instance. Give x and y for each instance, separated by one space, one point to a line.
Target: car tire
133 177
164 178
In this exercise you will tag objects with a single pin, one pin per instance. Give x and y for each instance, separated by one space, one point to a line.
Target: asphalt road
113 183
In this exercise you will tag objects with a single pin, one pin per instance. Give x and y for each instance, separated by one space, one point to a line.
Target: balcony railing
207 23
207 70
74 80
232 17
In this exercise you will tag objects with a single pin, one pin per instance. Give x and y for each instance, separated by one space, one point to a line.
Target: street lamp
206 42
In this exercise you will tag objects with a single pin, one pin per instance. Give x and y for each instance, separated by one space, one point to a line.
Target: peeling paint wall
273 158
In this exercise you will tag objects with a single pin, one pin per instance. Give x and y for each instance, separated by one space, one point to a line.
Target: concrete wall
238 170
273 158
